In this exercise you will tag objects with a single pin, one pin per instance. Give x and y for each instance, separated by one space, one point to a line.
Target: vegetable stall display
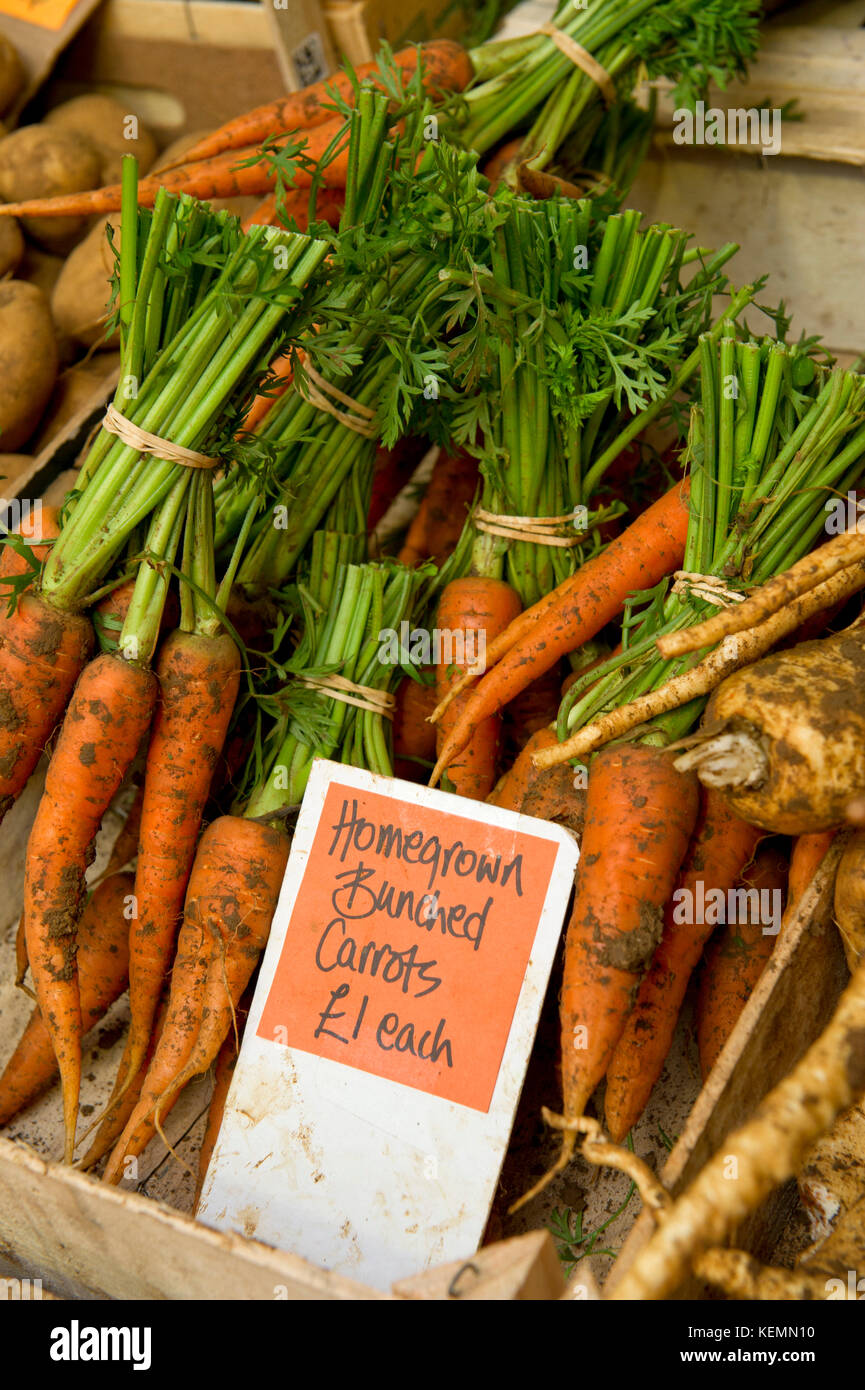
218 547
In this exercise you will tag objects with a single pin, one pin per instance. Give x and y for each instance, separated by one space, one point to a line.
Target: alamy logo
738 906
77 1343
20 1290
440 646
845 514
853 1289
16 512
742 126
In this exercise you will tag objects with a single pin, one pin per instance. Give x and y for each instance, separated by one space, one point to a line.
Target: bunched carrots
225 176
213 169
651 547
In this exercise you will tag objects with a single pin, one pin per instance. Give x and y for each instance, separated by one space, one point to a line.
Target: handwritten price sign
408 943
391 1028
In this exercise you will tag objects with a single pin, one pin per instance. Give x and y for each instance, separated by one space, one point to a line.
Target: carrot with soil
199 676
230 901
103 960
721 848
107 718
640 814
735 961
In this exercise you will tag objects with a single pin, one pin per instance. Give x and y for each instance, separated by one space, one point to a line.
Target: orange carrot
107 717
232 895
103 959
38 524
42 653
482 607
198 678
722 846
500 159
282 372
439 521
554 793
19 751
114 1120
110 612
808 854
446 66
514 785
651 547
735 961
224 176
640 814
415 548
295 206
414 737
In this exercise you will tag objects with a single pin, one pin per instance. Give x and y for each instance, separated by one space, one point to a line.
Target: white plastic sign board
388 1040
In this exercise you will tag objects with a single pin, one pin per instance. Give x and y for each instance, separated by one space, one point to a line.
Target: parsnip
785 739
833 1176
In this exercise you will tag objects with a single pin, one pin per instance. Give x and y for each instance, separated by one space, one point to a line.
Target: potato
40 162
11 74
79 301
11 245
28 361
40 268
104 123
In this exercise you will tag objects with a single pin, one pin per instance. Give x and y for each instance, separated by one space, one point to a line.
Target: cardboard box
189 67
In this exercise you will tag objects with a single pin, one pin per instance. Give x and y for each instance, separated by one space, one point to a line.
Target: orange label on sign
48 14
408 943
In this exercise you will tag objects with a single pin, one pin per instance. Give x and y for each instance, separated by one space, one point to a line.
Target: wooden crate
88 1241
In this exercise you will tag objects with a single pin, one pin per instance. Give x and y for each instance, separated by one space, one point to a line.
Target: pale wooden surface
798 215
524 1268
87 1240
